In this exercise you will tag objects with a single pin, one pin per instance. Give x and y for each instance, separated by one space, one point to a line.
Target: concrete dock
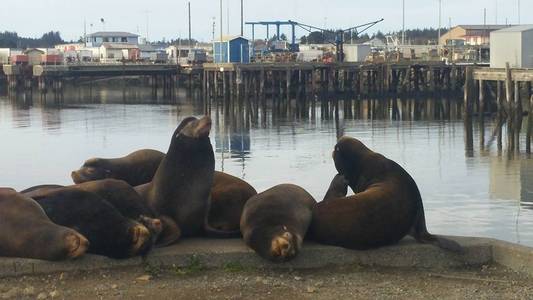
220 253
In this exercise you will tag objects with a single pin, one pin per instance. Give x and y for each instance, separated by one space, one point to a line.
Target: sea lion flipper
338 188
421 234
171 232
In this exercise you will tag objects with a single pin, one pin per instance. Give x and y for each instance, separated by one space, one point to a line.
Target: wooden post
529 126
510 108
517 114
500 108
467 91
481 114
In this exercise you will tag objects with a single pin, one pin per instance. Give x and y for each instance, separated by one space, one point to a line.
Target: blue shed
232 50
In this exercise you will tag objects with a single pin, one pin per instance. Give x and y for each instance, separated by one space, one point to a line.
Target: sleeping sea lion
109 232
26 231
275 222
118 193
136 168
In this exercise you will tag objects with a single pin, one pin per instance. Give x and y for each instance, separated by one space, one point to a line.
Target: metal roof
112 34
520 28
231 38
483 27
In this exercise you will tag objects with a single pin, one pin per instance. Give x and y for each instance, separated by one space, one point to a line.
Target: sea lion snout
140 235
204 127
77 244
282 246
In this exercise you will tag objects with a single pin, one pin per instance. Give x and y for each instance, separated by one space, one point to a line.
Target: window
124 40
106 40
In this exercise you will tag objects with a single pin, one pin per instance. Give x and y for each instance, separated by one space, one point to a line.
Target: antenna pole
403 22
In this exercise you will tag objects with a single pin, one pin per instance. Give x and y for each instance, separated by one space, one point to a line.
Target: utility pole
227 15
147 36
214 24
190 35
519 12
242 17
485 33
221 23
84 33
440 20
403 22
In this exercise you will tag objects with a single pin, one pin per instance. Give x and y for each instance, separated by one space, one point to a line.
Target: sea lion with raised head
109 232
274 223
385 208
26 231
181 186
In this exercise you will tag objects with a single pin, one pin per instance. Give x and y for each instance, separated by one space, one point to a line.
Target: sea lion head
141 239
192 127
349 156
92 169
76 244
277 244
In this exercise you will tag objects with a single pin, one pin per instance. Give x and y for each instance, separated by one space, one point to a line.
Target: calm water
484 194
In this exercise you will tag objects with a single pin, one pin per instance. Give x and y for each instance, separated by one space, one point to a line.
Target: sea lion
228 193
118 193
136 168
109 232
26 231
181 186
385 208
275 222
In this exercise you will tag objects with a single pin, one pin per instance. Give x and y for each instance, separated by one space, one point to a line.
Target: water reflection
266 143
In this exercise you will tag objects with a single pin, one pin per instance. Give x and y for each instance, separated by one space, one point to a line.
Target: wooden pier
508 93
292 87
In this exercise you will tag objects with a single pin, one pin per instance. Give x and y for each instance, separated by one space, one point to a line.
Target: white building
356 52
513 45
117 52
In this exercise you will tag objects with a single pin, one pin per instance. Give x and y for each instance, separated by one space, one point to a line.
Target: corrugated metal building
512 45
232 50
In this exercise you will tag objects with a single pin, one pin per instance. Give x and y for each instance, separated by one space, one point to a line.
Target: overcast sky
168 19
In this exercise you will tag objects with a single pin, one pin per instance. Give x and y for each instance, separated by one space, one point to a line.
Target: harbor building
513 45
471 35
98 38
234 49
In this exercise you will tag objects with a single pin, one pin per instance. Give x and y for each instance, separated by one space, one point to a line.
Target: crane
339 34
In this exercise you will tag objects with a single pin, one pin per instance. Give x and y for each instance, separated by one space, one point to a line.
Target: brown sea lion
385 208
109 233
181 186
136 168
228 194
275 222
118 193
26 231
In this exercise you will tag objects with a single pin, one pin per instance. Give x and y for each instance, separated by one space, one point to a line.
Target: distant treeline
13 40
413 36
